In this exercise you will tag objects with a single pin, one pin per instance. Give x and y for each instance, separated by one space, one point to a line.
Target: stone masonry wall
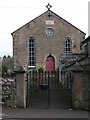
44 44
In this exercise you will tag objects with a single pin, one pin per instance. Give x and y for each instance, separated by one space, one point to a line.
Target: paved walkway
42 113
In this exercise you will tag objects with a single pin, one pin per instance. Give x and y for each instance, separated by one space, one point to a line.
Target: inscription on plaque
49 22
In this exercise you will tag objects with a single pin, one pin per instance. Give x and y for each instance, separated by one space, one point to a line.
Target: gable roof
54 14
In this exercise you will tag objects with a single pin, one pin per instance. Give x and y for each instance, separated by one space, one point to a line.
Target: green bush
40 70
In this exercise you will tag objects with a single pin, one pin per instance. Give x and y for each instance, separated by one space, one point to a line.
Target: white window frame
67 45
31 53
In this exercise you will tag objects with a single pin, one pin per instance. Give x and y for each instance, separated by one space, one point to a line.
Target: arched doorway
50 63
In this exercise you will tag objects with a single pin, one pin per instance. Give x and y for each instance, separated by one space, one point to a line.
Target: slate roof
86 40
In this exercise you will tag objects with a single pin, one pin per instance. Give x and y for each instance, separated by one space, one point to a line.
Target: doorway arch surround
50 63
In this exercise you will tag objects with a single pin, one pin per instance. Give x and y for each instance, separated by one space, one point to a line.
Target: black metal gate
46 91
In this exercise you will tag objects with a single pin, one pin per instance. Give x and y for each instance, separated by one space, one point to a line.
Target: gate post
21 89
77 92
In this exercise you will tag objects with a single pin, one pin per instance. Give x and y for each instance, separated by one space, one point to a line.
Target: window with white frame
31 51
68 45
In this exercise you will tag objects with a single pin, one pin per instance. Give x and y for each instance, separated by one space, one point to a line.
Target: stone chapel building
46 42
39 43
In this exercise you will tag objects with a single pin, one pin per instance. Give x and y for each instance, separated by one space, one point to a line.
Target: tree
7 64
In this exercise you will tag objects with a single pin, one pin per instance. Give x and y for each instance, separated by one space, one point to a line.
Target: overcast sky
15 13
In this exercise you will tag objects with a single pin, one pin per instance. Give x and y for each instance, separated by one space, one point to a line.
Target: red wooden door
50 64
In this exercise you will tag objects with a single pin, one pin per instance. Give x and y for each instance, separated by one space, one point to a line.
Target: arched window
31 51
68 45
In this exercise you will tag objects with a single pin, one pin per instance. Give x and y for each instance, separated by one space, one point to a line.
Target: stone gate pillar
21 88
77 90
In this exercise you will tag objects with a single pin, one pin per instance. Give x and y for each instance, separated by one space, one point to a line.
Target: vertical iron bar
27 90
48 89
